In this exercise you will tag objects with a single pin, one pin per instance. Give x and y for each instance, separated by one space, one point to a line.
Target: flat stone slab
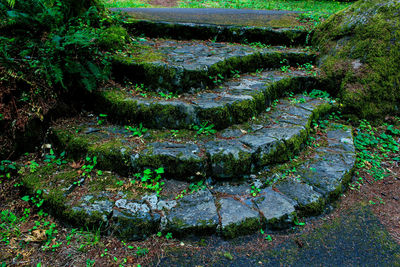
231 25
178 159
229 158
235 101
134 221
277 209
237 218
190 66
193 213
307 199
261 142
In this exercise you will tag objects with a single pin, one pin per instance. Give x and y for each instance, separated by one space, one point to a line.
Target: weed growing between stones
101 119
204 128
150 179
193 187
136 131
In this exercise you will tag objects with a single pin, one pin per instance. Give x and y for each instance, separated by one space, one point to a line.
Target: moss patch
360 56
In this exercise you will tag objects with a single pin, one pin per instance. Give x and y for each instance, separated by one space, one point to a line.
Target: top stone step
224 25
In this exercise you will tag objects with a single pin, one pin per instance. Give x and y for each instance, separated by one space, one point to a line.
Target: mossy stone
114 37
360 57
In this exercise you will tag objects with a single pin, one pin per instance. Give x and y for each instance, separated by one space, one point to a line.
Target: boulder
360 57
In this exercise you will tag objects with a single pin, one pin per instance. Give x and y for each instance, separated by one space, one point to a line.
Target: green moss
281 223
52 179
248 226
312 209
232 167
112 155
114 37
174 166
76 145
360 56
138 53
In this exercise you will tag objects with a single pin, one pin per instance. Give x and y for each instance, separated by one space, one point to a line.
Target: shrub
54 40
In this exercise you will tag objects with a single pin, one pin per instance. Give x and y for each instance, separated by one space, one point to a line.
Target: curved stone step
230 209
190 66
235 101
272 137
222 25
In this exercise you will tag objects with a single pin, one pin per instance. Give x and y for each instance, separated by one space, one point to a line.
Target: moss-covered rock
360 56
114 37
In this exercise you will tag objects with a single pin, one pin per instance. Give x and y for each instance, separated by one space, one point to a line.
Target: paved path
239 17
354 239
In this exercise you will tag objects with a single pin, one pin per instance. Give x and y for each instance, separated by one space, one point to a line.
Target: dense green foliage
316 7
55 41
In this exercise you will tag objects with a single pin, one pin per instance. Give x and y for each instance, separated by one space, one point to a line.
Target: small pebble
396 198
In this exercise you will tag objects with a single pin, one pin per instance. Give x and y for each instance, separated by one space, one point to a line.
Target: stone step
235 101
272 137
191 66
222 25
129 209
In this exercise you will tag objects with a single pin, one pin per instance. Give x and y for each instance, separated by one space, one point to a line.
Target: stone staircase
201 137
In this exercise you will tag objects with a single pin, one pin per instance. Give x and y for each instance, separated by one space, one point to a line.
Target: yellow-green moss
360 56
114 37
248 226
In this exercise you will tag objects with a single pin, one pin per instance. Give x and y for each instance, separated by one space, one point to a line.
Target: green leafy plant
89 165
168 236
193 187
267 237
7 169
297 222
37 199
101 119
259 45
217 79
308 68
285 66
33 166
151 179
167 95
204 129
174 133
235 74
140 252
52 159
315 93
254 190
136 131
373 147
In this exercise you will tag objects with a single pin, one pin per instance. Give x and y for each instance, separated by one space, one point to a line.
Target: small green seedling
136 131
101 119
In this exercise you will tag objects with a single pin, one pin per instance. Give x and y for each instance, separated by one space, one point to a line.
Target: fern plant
55 39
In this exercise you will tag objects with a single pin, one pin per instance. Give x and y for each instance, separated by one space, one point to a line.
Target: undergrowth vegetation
47 49
314 10
58 42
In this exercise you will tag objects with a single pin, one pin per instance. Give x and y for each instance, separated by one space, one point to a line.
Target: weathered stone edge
159 76
181 115
237 34
115 155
